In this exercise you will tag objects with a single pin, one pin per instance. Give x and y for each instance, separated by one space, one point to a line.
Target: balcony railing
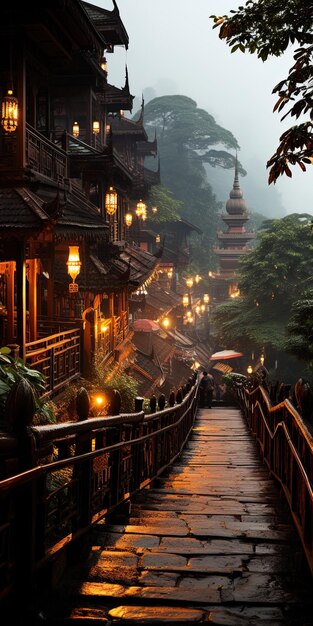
57 356
44 157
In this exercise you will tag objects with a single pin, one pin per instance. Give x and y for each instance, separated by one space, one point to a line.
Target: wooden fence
74 474
286 445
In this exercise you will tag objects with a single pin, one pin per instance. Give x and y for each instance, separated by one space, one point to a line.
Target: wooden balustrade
80 472
45 157
57 357
286 445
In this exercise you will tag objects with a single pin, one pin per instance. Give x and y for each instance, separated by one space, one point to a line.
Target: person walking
206 388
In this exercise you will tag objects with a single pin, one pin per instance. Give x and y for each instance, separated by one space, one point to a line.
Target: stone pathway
213 542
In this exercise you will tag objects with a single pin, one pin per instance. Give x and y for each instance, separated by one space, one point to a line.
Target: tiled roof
108 23
161 299
100 275
141 263
71 214
125 126
21 210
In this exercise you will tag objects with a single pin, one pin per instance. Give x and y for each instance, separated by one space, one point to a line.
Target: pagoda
234 241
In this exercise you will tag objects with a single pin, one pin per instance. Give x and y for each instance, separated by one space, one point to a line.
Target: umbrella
145 325
225 354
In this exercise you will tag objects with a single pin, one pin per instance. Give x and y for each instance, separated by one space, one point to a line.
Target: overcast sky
173 49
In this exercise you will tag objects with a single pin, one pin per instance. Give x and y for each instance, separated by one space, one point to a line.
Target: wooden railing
45 157
57 356
81 472
286 445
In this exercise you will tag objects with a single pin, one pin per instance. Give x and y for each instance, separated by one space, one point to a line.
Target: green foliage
11 371
104 380
300 329
169 207
188 138
267 28
274 279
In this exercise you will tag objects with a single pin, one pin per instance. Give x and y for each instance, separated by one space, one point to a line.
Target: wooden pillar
10 301
50 265
32 281
21 298
21 128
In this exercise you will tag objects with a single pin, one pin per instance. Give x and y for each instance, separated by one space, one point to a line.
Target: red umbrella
225 354
146 326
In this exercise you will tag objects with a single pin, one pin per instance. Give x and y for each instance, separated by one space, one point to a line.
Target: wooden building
64 189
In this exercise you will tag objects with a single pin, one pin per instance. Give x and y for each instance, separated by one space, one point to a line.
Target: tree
300 329
272 279
169 207
266 28
188 137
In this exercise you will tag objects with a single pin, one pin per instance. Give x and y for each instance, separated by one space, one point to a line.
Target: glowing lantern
157 238
73 262
75 129
96 127
249 369
166 322
185 299
111 201
9 112
128 219
141 208
206 298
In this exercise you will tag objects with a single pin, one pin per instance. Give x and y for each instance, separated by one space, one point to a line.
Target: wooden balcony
44 157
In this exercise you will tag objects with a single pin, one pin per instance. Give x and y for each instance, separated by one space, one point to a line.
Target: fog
173 50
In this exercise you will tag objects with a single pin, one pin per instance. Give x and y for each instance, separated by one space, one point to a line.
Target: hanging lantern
128 219
75 129
73 266
104 65
157 238
206 298
111 201
197 278
141 208
189 282
185 299
154 209
262 359
96 127
9 112
249 369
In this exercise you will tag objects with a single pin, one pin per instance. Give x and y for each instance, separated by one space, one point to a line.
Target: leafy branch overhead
267 28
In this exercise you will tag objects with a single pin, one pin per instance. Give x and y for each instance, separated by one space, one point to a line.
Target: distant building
234 242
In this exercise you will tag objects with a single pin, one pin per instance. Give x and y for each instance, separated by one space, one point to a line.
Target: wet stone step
211 542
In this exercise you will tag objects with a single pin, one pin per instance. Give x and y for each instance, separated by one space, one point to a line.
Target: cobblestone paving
212 543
